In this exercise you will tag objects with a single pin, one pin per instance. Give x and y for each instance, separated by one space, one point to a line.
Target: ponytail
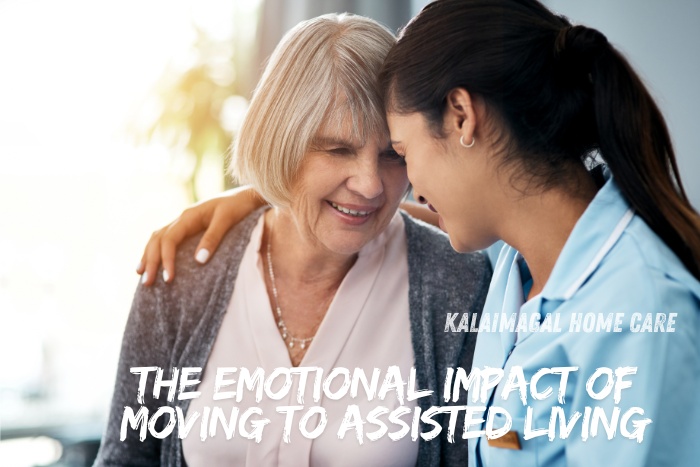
635 143
563 93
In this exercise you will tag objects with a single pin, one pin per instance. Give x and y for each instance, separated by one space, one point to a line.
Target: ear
460 115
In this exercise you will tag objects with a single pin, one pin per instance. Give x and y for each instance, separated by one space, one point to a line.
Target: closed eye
340 151
391 155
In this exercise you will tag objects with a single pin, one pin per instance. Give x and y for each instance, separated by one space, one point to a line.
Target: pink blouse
367 326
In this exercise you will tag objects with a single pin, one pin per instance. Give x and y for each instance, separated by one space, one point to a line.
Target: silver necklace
280 322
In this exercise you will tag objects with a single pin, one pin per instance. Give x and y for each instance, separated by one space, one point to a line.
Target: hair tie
576 50
579 42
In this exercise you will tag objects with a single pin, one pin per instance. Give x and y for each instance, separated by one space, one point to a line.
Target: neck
538 225
299 258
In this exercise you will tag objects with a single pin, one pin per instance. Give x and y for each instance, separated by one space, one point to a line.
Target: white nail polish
202 256
138 268
144 277
166 276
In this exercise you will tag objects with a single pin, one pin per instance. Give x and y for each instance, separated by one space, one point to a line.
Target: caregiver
498 107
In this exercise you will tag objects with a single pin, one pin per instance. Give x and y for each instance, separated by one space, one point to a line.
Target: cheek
419 172
317 180
411 172
420 162
305 200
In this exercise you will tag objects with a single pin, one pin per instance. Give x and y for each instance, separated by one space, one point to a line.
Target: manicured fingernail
166 276
202 256
138 268
144 278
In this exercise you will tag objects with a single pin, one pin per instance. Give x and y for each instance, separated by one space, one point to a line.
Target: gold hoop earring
461 141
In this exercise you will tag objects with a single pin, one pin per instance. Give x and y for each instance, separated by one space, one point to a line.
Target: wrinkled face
454 181
346 192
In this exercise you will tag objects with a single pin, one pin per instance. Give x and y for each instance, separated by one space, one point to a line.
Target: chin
461 246
347 245
457 247
346 250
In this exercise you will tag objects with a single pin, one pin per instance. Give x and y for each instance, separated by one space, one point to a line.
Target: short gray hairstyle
323 71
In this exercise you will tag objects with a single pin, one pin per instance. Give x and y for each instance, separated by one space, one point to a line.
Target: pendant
303 345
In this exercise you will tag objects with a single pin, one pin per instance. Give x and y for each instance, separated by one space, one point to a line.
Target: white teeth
350 211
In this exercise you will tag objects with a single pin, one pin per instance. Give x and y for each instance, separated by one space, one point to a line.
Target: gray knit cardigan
175 325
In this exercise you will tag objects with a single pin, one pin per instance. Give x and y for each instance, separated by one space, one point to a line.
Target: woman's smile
353 210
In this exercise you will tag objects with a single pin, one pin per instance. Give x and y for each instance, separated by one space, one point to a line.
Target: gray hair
323 71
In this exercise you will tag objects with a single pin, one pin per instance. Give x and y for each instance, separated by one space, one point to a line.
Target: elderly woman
331 277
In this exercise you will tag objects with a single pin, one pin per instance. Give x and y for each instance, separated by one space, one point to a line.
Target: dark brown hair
562 92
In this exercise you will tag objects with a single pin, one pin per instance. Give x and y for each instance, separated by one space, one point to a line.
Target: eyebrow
323 141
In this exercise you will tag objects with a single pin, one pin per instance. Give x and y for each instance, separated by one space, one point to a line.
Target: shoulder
656 255
194 284
641 280
229 253
646 272
442 285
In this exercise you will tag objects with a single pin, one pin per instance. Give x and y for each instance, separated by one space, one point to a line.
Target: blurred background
116 115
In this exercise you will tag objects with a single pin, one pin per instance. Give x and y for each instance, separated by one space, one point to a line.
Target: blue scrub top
612 263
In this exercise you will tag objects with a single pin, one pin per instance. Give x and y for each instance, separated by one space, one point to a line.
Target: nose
366 179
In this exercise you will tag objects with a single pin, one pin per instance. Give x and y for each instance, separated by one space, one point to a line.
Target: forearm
245 194
215 216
